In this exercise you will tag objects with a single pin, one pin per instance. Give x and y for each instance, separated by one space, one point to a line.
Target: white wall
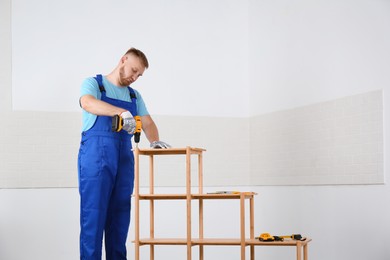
305 52
188 45
43 223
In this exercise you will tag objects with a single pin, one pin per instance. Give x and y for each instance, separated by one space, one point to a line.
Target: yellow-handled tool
294 237
138 129
117 124
265 237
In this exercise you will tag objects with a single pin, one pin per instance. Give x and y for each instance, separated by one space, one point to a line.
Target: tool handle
117 123
138 129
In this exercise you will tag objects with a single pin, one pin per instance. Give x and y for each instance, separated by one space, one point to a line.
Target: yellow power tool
117 124
266 237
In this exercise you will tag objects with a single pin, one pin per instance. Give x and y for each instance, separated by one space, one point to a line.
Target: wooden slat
248 195
137 206
209 196
189 199
170 151
163 241
162 196
151 205
286 242
242 225
183 241
219 242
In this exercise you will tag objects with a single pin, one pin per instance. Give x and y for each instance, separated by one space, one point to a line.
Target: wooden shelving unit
200 241
188 241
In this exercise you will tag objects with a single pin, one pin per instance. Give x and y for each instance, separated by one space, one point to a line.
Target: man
106 161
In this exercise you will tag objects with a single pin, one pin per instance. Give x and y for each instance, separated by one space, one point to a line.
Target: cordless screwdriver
117 124
138 128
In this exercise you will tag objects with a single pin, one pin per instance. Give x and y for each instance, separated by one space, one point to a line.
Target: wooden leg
136 193
136 249
151 252
242 225
252 226
305 257
151 205
188 192
151 248
189 252
201 251
299 251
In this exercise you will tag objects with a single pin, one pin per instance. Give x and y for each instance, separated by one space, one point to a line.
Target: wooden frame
243 241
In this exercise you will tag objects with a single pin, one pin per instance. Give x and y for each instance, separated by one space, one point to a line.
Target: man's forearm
98 107
150 129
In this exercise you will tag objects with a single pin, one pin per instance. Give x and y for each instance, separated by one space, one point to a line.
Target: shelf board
169 151
163 241
162 196
223 196
286 242
194 196
219 242
194 242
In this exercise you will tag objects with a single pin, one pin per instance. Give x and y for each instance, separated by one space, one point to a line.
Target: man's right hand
128 122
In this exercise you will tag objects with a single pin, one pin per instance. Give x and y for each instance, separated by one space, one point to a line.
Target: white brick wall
39 149
335 142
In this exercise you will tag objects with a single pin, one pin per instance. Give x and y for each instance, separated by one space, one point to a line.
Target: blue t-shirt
91 87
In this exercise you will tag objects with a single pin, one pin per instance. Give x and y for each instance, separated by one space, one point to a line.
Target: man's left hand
159 145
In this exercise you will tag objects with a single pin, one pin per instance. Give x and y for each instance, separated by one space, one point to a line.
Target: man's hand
159 145
128 122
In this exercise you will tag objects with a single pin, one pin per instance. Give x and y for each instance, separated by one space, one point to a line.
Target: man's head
140 55
131 66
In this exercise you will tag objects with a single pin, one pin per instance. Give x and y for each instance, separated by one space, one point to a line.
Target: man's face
131 68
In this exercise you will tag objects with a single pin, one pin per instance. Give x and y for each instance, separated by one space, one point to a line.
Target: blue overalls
106 181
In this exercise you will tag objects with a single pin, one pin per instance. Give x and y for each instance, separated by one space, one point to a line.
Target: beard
123 81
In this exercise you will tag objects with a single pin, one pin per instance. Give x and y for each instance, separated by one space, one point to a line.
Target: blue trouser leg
118 215
96 181
93 218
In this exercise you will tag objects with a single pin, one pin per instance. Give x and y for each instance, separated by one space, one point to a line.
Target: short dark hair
140 55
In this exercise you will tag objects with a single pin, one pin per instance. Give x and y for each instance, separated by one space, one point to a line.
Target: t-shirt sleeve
90 87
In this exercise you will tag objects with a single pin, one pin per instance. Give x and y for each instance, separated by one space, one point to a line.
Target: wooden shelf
243 240
217 242
162 196
163 241
220 242
247 195
171 151
194 242
286 242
